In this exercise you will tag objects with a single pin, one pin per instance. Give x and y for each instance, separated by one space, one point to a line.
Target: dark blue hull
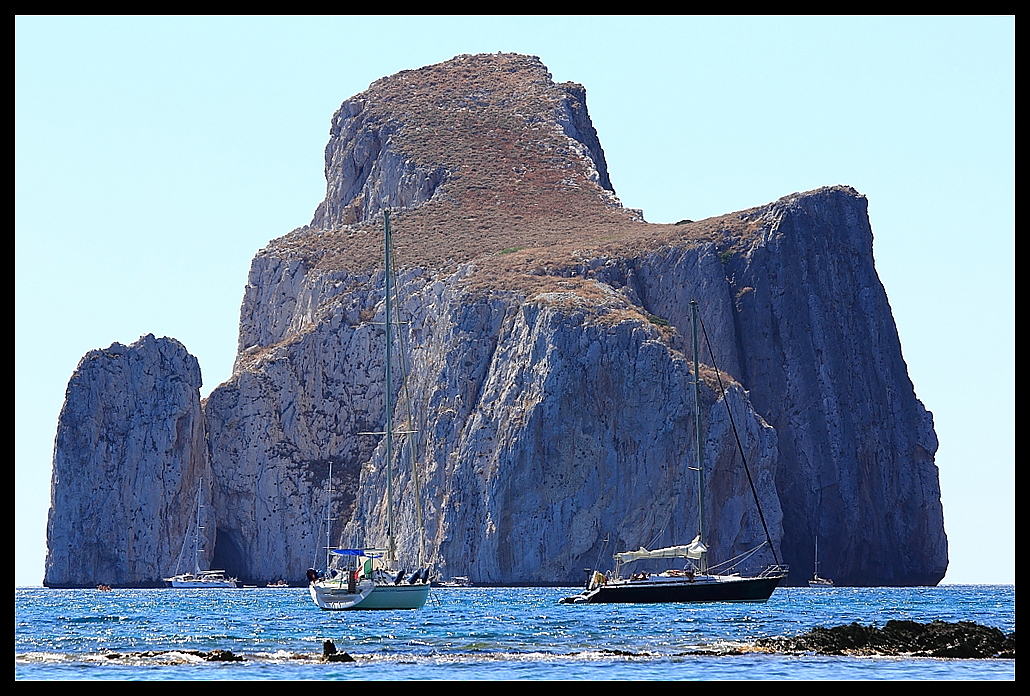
644 592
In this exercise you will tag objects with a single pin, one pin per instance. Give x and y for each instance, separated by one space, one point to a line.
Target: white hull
188 582
456 582
334 595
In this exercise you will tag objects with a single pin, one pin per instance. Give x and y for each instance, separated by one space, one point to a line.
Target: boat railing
772 570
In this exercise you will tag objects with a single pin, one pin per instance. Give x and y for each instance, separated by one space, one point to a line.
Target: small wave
177 657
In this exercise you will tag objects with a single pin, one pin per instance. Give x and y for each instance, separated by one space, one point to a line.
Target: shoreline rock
963 639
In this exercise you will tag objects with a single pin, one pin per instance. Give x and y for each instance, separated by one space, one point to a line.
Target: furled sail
694 549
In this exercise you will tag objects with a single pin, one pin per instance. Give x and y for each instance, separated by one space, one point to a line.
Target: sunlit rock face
128 462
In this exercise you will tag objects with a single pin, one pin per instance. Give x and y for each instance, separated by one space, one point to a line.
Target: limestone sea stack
128 460
549 385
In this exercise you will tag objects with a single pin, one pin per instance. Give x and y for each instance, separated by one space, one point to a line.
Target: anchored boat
816 581
198 579
693 581
374 579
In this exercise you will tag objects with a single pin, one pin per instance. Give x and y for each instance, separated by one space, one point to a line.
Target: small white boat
456 581
201 580
198 579
816 581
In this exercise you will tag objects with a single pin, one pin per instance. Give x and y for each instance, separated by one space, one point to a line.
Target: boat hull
201 584
722 590
337 598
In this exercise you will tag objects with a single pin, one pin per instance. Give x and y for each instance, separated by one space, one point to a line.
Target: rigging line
186 538
732 563
413 425
740 447
657 536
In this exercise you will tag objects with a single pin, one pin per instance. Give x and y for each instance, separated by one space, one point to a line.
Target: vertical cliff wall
798 315
542 425
822 359
128 460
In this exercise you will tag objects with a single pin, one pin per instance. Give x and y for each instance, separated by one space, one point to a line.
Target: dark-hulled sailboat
694 583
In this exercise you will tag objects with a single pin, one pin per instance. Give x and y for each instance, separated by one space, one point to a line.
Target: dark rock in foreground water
209 656
909 638
330 653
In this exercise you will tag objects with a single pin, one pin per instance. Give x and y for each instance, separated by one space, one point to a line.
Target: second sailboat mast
391 544
697 438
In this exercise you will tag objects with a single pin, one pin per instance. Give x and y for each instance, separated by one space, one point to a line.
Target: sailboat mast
391 545
328 513
196 533
697 438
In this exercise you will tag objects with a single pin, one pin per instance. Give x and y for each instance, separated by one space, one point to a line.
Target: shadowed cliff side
823 363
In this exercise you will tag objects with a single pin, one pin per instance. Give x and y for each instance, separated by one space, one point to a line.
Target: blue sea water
478 634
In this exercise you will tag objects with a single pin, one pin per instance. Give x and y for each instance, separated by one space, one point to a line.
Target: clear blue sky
154 156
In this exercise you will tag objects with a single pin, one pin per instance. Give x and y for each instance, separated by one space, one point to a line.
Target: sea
479 633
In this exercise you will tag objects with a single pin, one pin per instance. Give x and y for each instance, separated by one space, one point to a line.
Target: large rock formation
128 461
549 389
820 354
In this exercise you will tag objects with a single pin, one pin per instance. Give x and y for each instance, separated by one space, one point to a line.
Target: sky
154 156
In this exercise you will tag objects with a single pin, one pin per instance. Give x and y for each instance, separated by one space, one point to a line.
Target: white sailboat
375 581
457 581
198 579
695 582
817 581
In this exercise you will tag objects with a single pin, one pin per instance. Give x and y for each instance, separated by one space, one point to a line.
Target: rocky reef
548 400
962 639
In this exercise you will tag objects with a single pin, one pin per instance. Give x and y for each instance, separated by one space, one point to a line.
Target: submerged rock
207 656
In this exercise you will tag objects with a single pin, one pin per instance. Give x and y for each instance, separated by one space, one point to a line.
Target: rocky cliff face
128 461
821 356
549 393
398 143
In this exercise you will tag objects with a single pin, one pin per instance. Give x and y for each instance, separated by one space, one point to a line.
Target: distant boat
694 583
456 581
817 581
374 581
198 579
